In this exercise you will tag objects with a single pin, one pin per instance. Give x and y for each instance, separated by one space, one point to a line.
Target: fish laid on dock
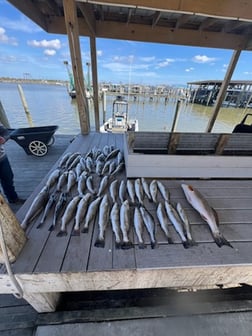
139 191
131 191
186 223
103 220
36 207
80 213
177 223
208 214
49 205
91 213
146 189
68 215
125 225
115 223
113 190
149 224
53 178
139 227
164 223
58 208
122 191
163 191
154 190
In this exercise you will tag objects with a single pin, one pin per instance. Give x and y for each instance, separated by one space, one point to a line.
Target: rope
19 294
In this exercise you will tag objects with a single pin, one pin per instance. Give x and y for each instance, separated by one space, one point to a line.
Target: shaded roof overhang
225 24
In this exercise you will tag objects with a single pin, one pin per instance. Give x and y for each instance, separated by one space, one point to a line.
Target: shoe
18 201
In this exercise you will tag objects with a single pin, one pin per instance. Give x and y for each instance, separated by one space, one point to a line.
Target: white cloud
165 63
6 39
189 69
122 67
49 52
54 44
203 59
147 59
99 53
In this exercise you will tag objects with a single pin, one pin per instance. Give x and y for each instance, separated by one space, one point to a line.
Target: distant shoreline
33 81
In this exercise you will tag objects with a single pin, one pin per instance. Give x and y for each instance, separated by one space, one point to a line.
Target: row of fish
79 189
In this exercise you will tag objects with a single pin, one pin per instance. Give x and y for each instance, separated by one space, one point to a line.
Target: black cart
34 140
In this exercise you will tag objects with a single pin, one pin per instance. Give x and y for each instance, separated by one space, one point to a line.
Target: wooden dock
49 265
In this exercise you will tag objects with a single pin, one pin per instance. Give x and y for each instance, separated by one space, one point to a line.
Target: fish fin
62 233
141 246
84 230
153 244
220 240
99 243
126 245
75 232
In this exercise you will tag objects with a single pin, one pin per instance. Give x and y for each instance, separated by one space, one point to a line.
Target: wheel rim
38 148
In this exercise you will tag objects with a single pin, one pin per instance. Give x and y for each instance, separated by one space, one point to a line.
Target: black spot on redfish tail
61 233
99 243
220 240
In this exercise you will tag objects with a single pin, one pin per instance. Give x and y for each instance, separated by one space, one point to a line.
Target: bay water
51 105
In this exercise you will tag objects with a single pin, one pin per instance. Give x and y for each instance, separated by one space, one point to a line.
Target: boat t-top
120 122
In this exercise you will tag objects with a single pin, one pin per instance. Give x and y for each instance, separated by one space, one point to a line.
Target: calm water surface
51 105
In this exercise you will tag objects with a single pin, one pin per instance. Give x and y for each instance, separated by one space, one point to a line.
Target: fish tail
126 245
84 230
141 246
51 228
170 241
40 224
153 244
186 244
61 233
99 243
118 245
220 240
75 232
191 242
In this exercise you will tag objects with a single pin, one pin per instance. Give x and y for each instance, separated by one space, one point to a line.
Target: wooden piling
27 112
3 118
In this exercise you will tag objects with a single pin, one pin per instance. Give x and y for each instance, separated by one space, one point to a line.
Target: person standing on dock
6 173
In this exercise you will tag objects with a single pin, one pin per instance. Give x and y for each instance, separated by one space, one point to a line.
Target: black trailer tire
38 148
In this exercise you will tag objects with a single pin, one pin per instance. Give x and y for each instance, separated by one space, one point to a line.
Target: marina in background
153 112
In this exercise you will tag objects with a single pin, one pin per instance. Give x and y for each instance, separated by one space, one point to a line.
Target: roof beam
236 9
156 17
158 34
30 10
87 12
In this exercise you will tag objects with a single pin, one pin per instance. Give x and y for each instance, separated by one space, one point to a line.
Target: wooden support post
74 45
95 82
175 119
43 302
14 236
25 105
223 89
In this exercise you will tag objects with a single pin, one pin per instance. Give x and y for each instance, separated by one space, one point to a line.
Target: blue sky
26 50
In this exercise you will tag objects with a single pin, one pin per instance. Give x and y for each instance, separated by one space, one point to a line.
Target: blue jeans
7 180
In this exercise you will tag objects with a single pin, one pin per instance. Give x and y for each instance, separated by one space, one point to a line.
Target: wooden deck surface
49 263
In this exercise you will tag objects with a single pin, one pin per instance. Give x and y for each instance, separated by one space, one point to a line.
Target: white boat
120 122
